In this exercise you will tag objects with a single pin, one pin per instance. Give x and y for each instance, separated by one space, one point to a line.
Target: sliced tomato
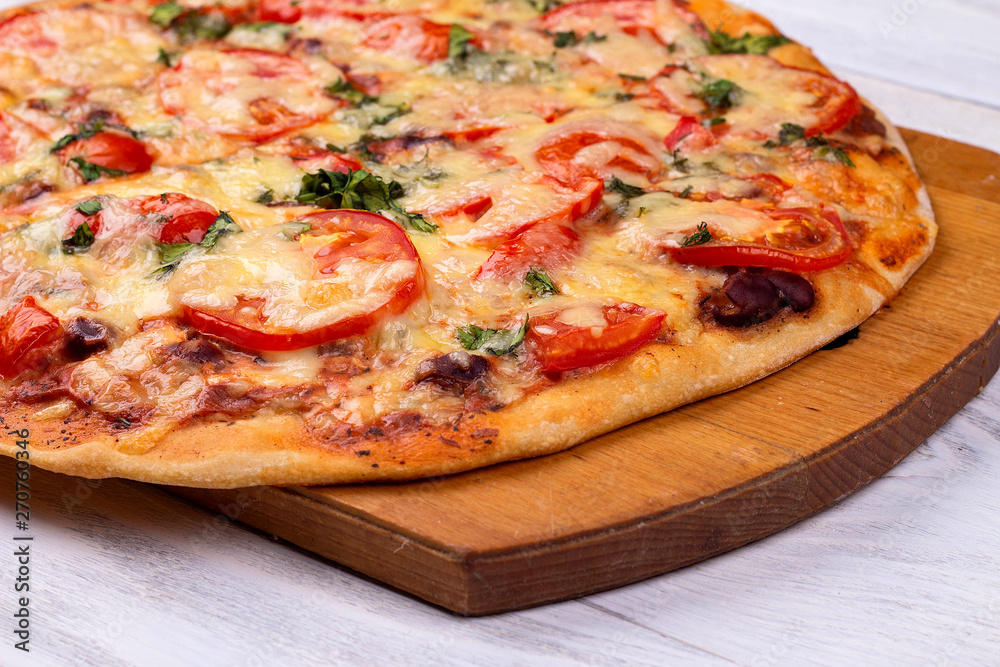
631 15
409 37
185 219
797 240
335 237
559 346
292 11
77 218
544 246
111 150
560 156
27 32
24 329
310 157
695 136
246 94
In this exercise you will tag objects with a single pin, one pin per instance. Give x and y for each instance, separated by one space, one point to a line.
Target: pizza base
280 449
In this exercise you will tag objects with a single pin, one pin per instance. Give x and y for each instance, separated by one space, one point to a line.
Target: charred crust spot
362 452
896 251
376 431
198 352
85 337
486 433
449 441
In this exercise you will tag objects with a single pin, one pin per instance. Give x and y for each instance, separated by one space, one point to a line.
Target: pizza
320 241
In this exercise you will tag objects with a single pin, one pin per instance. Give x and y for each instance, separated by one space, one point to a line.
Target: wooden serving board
698 481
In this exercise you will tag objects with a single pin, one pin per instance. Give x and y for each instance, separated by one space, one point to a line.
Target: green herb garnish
631 77
824 150
624 189
171 253
166 13
357 190
720 95
348 92
82 239
90 207
458 41
721 42
540 283
496 342
570 38
92 172
700 237
400 110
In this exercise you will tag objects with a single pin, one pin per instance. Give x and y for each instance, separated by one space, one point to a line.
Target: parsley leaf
202 25
790 133
720 95
92 172
348 92
540 283
90 207
497 342
167 57
833 154
171 253
358 190
721 42
398 111
632 77
87 130
82 239
266 197
570 38
165 13
458 41
679 163
700 237
624 189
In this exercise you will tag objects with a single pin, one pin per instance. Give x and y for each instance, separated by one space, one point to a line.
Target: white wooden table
905 571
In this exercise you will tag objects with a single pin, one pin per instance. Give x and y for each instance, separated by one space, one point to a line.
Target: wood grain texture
681 487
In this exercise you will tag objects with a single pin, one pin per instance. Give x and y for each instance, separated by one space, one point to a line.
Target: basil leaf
171 253
348 92
81 240
496 342
90 207
165 13
720 95
92 172
540 283
357 190
458 40
790 133
720 42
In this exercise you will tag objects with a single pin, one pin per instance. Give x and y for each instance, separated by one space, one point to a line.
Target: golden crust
281 450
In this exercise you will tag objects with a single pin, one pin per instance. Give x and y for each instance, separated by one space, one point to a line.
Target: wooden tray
678 488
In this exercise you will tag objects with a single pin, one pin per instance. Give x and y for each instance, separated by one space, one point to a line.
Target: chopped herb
87 130
790 133
642 212
171 253
82 239
398 111
259 27
295 228
686 192
166 13
90 207
167 57
540 283
544 6
335 149
266 198
712 122
358 190
720 95
497 342
700 237
623 97
833 154
458 41
721 42
348 92
202 25
631 77
624 189
92 172
679 163
570 38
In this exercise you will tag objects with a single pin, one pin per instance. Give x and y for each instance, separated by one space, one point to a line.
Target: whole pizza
317 241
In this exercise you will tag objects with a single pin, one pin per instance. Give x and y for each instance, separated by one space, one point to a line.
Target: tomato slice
24 329
409 37
631 15
246 94
563 157
336 237
185 219
695 136
310 157
544 246
292 11
111 150
802 241
559 346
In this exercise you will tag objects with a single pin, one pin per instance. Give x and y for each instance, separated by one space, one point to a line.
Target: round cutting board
709 477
